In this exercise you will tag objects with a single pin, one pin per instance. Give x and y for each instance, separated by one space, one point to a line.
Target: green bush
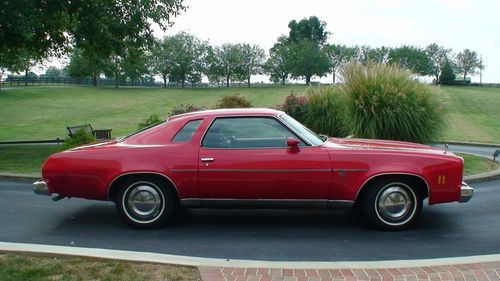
233 102
79 138
185 108
385 102
295 106
326 112
152 119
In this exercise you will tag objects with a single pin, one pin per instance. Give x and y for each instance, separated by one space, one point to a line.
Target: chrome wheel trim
394 202
143 202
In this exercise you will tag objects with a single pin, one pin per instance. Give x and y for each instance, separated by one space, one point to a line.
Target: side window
186 132
246 132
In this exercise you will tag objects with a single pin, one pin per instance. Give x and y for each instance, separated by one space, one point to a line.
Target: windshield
310 136
141 130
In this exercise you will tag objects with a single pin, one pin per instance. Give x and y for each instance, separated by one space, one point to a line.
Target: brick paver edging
487 271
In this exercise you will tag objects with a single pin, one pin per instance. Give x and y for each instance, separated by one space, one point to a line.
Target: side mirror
293 144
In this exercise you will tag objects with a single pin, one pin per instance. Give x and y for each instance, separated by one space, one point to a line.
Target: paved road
443 231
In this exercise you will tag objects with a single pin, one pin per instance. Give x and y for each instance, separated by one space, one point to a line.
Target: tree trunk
283 78
248 83
94 79
308 79
227 81
164 81
116 80
465 74
334 76
26 77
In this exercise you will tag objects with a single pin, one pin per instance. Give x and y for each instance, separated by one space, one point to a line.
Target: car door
246 157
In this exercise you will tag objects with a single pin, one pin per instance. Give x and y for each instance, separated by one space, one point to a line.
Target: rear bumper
466 193
41 187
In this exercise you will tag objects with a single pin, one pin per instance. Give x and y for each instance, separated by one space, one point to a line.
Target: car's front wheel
145 203
392 204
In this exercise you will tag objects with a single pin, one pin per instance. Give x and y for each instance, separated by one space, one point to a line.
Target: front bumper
466 193
41 187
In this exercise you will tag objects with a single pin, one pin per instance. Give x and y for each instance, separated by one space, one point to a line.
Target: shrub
152 119
233 102
185 108
79 138
326 112
295 106
385 102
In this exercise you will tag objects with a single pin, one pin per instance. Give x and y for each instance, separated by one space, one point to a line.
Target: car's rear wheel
392 204
145 203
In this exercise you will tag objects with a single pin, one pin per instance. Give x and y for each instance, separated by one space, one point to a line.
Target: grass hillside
473 114
44 112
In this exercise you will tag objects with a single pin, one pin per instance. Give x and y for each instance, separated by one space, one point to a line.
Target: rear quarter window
186 133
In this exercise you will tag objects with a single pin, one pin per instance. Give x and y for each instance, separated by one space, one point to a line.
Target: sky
455 24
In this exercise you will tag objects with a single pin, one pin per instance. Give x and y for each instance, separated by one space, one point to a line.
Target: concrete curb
24 178
147 257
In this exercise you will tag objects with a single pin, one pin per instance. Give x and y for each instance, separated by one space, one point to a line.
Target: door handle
207 159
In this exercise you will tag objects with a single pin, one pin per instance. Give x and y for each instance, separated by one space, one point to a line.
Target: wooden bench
98 134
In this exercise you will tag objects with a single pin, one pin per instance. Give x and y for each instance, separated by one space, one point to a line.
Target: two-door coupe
254 158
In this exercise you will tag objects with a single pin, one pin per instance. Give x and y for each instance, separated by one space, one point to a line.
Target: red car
254 158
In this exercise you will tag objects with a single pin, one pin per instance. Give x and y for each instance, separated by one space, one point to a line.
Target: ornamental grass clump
149 121
326 112
233 102
384 102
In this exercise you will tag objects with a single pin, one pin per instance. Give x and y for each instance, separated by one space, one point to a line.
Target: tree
252 60
438 56
305 42
84 64
225 62
447 73
413 58
367 54
307 59
53 72
101 27
308 29
467 62
339 55
277 63
179 57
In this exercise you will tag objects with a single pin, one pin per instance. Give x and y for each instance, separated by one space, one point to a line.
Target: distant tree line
183 58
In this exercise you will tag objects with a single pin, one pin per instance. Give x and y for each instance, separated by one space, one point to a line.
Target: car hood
380 144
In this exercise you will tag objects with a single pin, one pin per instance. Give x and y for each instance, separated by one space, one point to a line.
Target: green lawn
44 112
473 114
475 165
16 267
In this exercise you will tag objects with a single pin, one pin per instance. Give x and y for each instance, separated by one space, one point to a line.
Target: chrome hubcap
394 202
144 201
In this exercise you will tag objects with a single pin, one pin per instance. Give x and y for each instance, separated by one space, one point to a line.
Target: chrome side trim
266 170
269 203
142 172
466 192
183 170
349 170
41 187
396 173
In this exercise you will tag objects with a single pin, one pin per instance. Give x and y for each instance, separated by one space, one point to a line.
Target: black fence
20 81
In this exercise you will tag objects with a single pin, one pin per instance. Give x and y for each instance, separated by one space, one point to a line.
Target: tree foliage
413 58
447 73
180 57
338 56
467 62
307 59
251 62
438 56
310 28
277 63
